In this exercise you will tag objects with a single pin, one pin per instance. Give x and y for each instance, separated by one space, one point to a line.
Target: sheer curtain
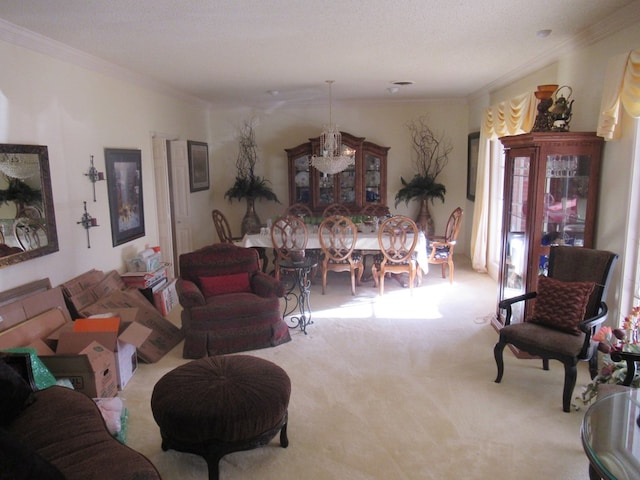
510 117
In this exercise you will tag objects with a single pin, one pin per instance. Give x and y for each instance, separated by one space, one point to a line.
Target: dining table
365 241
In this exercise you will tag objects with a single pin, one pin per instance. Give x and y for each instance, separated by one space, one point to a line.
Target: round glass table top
611 435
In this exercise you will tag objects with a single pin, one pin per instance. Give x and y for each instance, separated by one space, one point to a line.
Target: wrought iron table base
297 302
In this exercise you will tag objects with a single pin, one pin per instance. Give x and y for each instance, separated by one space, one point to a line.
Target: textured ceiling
235 52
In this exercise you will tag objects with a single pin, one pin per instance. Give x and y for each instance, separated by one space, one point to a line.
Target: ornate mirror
27 218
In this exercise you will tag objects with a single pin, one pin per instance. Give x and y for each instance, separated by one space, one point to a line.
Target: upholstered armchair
229 305
569 307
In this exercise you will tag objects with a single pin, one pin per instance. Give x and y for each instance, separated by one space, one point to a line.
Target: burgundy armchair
228 304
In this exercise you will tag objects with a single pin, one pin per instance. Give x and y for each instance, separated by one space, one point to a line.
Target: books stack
144 280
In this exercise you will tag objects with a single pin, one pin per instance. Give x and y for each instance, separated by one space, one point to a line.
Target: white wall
384 124
76 113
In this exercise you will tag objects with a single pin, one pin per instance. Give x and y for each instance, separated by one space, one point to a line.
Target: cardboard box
131 305
92 371
122 338
14 313
34 329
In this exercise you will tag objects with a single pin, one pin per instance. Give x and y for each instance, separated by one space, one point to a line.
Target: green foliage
20 192
420 187
253 187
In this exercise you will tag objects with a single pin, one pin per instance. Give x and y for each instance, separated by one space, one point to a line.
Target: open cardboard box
131 306
91 371
122 338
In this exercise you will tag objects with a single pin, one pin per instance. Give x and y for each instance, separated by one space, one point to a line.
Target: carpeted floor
395 387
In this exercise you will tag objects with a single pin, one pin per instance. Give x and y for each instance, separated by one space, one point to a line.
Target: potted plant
248 185
431 155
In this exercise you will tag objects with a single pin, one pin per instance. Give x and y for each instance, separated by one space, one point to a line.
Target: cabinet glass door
565 199
515 271
372 179
302 180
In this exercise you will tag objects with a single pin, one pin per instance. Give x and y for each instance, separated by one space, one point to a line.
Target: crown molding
27 39
619 20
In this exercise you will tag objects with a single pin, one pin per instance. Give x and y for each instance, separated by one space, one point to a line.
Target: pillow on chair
561 305
223 284
15 394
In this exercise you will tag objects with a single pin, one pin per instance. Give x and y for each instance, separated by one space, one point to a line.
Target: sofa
58 433
228 304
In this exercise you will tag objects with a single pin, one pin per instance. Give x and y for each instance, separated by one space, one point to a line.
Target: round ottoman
217 405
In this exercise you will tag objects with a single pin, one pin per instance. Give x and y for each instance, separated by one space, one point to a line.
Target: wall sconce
94 176
87 222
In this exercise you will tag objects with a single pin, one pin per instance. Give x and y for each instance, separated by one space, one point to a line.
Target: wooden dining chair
223 230
397 239
336 209
222 227
440 248
337 236
288 234
375 210
299 209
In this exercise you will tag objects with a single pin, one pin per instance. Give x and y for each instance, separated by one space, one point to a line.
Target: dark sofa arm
65 428
189 295
266 286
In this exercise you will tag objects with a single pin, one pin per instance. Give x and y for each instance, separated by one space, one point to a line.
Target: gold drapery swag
621 89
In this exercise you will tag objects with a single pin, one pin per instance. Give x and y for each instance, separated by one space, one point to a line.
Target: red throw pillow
561 305
234 283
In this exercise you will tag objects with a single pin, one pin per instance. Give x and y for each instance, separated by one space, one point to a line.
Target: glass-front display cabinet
550 193
362 183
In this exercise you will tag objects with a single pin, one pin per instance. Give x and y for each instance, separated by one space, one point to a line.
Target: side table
611 436
296 298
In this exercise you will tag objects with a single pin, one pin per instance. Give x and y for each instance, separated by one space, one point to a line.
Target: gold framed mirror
27 217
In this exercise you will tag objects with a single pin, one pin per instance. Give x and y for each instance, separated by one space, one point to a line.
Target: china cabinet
363 183
550 194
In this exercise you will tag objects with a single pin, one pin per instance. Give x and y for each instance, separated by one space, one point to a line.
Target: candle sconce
87 222
94 176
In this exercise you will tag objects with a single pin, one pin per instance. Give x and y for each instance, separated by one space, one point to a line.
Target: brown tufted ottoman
217 405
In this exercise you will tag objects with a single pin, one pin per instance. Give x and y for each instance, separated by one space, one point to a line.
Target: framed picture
198 166
473 145
124 185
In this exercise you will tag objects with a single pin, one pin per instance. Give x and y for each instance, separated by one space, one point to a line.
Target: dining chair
299 209
288 234
440 247
337 235
397 238
222 227
375 210
336 209
223 230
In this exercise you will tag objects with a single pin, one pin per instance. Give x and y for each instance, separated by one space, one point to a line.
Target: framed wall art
198 166
473 145
124 186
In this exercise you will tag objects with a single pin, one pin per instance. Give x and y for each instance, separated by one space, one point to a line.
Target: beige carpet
395 387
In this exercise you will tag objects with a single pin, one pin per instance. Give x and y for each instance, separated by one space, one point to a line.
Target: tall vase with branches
248 185
430 155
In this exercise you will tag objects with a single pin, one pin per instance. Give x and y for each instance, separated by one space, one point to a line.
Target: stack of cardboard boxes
91 330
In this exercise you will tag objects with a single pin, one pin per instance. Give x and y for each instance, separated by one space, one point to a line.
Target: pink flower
602 335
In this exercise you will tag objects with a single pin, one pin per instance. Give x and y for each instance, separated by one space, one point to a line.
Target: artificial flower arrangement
611 340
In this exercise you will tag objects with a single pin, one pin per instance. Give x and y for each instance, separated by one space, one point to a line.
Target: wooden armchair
569 308
223 230
440 248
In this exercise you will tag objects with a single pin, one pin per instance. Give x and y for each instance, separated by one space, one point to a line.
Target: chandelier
333 156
